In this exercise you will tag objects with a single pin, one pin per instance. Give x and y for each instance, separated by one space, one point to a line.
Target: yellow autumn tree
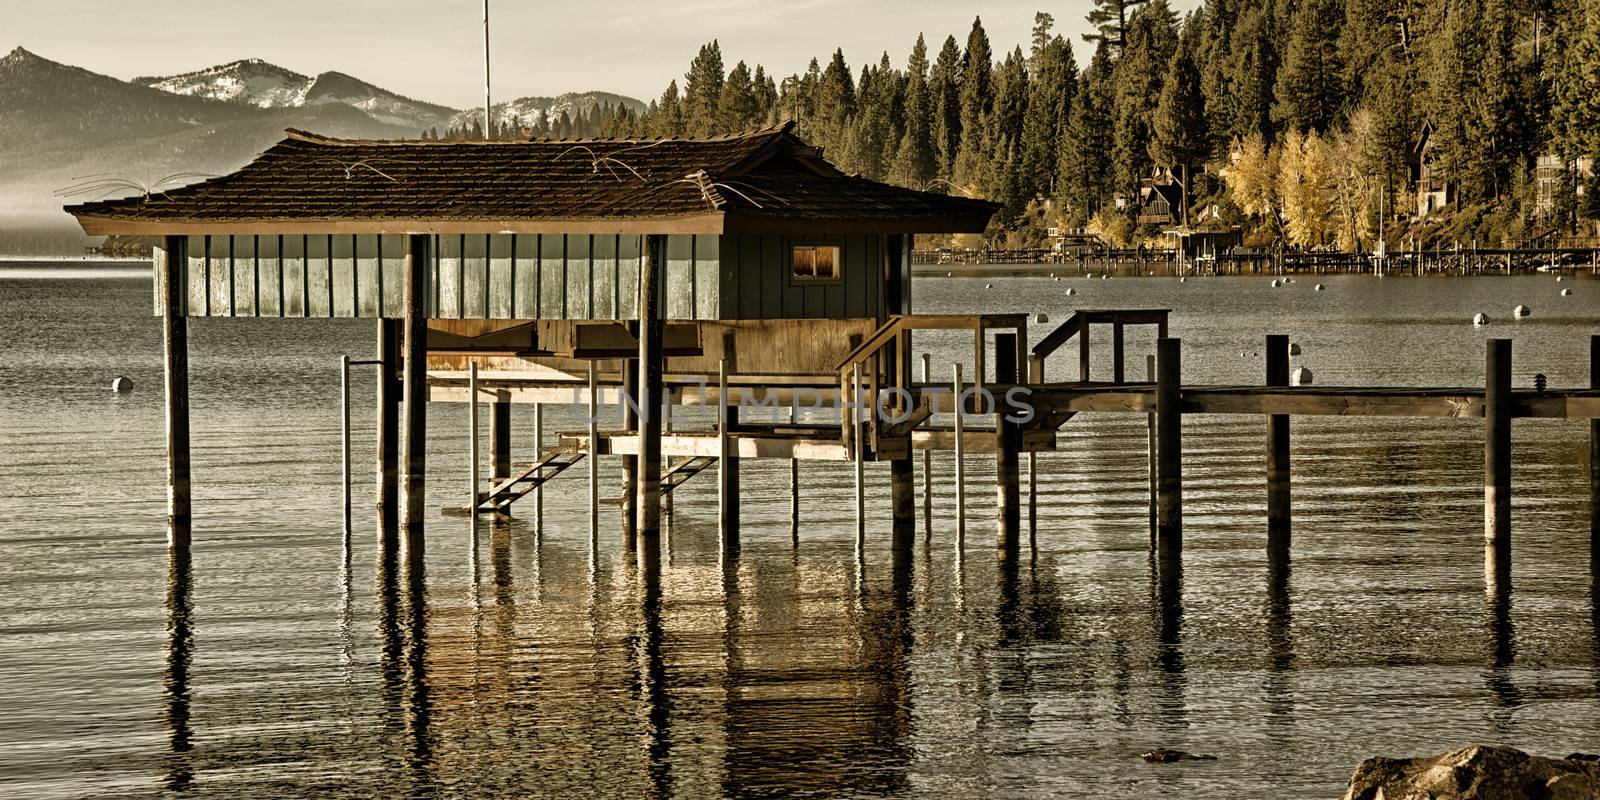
1253 177
1306 188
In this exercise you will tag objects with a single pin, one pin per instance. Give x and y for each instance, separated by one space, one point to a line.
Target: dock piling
648 490
1278 475
474 458
1007 446
927 464
500 444
1497 446
388 444
961 466
1169 445
173 263
630 464
1594 454
415 417
858 449
594 455
344 439
727 464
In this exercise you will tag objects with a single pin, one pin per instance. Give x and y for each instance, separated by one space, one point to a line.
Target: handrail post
344 431
961 469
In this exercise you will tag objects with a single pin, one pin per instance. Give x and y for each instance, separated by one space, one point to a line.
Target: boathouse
701 272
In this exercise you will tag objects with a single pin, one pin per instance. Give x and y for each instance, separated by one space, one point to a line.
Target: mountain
529 111
63 126
252 82
257 83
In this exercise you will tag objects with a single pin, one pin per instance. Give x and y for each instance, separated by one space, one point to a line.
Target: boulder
1478 772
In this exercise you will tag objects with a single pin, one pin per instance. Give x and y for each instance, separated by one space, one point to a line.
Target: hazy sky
431 49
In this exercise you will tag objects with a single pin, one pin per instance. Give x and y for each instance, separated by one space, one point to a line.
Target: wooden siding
757 281
474 276
534 277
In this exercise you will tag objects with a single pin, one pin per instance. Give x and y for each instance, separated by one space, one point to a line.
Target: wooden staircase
522 483
682 471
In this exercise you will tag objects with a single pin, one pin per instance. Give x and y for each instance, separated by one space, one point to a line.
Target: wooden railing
883 360
1077 326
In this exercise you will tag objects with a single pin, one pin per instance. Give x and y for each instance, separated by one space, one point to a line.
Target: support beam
1594 455
1008 443
1083 347
172 263
1169 446
500 444
648 489
1278 515
630 464
727 465
1497 447
388 445
413 456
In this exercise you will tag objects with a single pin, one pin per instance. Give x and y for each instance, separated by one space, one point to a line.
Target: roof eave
709 223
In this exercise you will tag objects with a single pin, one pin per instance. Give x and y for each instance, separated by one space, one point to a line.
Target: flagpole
488 106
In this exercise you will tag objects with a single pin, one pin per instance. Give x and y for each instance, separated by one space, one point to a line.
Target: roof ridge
786 127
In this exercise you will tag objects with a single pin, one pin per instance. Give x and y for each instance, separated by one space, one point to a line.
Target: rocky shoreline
1477 772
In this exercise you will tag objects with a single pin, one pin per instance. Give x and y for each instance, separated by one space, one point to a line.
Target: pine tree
667 118
1043 24
835 104
1181 139
765 93
944 101
1311 82
976 99
1151 39
1084 184
737 107
1575 119
914 161
702 89
1001 170
1050 93
1110 19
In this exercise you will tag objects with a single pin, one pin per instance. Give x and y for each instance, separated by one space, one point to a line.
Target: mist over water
283 666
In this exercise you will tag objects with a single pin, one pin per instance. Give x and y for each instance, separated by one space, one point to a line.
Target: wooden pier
653 289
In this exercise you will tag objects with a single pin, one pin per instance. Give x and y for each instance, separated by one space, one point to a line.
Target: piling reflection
1502 649
1166 567
1280 637
650 678
175 685
418 700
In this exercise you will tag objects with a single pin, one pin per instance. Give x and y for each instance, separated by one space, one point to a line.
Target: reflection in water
1502 643
180 642
1280 637
418 702
1166 567
650 679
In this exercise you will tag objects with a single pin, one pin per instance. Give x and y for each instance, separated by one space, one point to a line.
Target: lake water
289 669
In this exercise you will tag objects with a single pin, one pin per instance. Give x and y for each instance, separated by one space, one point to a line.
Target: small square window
816 263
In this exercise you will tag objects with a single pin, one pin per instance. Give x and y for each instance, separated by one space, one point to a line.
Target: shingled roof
765 181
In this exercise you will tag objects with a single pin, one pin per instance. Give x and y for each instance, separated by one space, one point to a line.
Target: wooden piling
538 455
1169 445
1083 347
727 464
1150 435
1497 445
1007 446
413 455
172 263
594 456
388 445
961 467
648 489
927 464
903 501
500 444
1117 353
1594 454
858 450
1278 515
630 464
794 482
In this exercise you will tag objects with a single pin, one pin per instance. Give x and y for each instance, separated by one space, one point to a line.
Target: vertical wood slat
292 258
577 302
269 269
199 293
552 276
473 269
392 275
369 277
525 253
319 288
628 277
708 276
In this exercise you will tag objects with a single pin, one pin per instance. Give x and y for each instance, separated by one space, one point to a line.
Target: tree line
1297 120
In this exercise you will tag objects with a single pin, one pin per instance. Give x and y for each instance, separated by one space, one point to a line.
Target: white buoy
1070 291
1319 287
1480 318
121 385
949 274
1558 279
1521 311
1565 292
1300 377
1183 280
1041 318
1275 283
1088 274
1057 280
1105 277
988 286
1294 348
